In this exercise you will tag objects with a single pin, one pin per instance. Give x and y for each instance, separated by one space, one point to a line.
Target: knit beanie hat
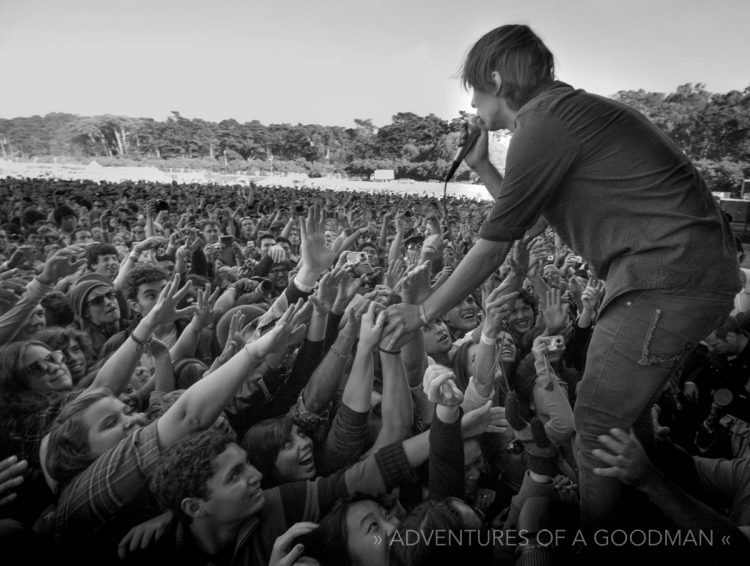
78 293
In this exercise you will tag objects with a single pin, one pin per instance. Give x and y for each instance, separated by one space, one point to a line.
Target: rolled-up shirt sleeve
539 156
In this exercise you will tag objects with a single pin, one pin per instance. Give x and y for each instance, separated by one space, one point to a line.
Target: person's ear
134 306
193 507
497 79
731 337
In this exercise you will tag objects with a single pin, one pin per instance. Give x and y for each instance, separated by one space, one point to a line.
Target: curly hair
95 250
184 469
59 338
141 274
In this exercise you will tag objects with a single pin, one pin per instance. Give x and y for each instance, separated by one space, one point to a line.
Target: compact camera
555 347
359 262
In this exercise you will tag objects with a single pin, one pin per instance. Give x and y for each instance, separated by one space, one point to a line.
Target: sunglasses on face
99 301
40 368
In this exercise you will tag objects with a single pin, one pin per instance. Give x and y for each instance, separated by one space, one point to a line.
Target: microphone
462 150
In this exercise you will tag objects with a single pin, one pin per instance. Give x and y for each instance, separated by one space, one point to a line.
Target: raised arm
117 370
200 405
61 264
499 305
187 342
484 258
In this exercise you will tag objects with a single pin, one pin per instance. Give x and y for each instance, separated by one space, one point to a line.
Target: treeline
713 129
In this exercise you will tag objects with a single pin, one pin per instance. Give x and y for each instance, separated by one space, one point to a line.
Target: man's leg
637 340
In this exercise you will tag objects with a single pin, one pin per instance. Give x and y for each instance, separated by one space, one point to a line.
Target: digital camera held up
555 347
359 263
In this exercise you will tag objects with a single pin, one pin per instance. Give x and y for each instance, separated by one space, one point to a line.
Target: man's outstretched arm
484 258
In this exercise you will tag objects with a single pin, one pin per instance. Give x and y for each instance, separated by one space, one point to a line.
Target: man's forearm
483 258
491 178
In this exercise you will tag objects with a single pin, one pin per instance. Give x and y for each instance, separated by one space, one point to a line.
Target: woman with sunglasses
36 384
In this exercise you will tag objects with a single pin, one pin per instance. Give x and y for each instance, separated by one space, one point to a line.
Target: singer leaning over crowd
624 197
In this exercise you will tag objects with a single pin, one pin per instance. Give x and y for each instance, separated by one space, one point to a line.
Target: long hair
263 443
329 542
13 374
68 452
59 338
518 55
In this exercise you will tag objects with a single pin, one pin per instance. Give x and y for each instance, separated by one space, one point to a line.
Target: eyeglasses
40 368
99 301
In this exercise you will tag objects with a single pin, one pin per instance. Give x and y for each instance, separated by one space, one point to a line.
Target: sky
331 61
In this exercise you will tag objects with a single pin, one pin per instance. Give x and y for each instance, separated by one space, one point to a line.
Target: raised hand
277 253
555 312
353 319
497 307
328 288
63 263
165 310
315 255
439 385
348 287
592 294
394 273
205 305
371 328
538 252
275 340
415 285
22 256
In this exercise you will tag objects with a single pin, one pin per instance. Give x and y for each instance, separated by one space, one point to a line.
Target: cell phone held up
359 263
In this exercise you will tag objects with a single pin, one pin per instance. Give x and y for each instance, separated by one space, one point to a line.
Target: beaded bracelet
339 354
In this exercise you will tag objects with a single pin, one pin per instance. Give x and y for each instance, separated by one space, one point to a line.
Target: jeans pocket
651 355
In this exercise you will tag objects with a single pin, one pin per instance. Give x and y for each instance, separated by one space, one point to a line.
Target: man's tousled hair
518 54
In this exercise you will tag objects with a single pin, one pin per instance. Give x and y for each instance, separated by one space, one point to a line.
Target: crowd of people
250 376
202 372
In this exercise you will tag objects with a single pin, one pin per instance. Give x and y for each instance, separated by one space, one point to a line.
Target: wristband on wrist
423 315
391 352
484 339
302 287
141 342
